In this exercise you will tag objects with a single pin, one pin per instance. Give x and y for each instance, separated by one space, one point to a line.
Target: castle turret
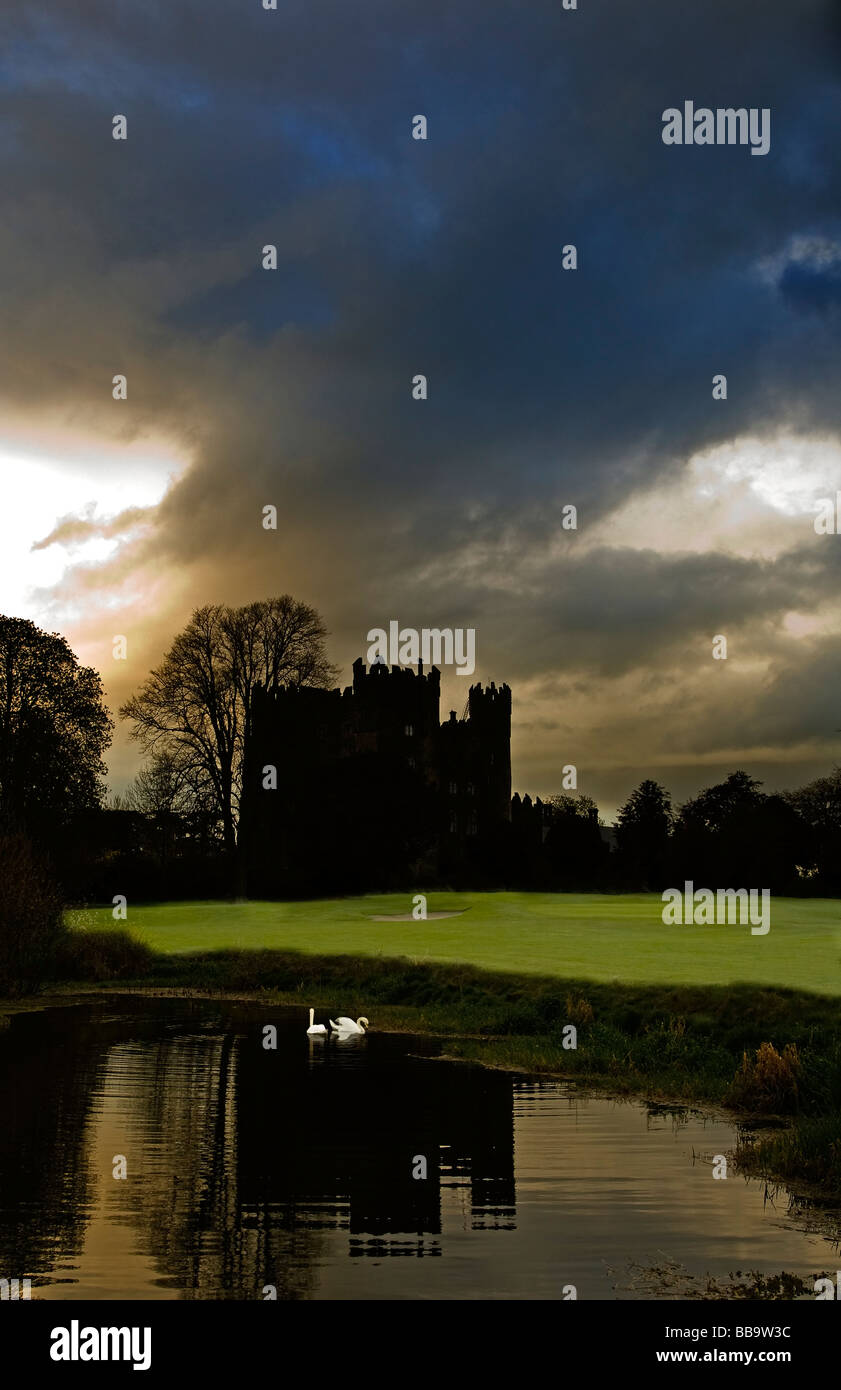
490 718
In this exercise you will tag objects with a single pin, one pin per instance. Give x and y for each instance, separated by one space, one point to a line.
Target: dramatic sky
547 387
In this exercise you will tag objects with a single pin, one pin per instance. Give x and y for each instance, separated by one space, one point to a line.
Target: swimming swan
347 1025
315 1027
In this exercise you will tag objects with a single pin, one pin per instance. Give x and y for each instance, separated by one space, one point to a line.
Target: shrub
579 1010
31 925
769 1084
819 1084
102 955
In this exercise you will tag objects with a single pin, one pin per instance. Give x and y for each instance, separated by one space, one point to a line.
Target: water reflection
347 1131
237 1157
294 1168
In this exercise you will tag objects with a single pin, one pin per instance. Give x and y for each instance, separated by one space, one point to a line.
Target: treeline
732 834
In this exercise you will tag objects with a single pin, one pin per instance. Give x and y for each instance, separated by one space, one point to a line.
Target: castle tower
490 721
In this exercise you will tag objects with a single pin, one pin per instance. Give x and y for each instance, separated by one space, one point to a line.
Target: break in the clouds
547 387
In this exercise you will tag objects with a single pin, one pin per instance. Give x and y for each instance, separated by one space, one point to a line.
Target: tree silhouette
574 850
734 834
818 805
196 706
54 729
643 831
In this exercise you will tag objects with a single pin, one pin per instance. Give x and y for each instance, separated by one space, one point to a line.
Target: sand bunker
430 916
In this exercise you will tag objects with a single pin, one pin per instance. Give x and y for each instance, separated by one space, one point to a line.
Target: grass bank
594 936
771 1053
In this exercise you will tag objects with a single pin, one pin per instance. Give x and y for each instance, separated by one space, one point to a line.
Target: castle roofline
378 669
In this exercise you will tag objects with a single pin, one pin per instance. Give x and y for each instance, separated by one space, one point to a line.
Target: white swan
316 1028
347 1025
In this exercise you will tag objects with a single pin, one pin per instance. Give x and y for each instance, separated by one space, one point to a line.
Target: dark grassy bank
771 1054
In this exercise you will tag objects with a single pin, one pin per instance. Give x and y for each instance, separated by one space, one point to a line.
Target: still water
294 1168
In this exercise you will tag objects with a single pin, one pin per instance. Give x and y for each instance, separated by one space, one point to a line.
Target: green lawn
572 935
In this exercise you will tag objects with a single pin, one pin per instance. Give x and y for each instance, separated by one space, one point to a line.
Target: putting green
571 935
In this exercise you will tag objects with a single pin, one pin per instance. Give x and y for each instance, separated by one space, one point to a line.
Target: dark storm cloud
396 257
810 288
625 610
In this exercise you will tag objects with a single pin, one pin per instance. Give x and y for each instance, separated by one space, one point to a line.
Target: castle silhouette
372 790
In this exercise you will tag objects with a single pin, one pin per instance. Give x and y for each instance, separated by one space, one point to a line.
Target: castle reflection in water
241 1162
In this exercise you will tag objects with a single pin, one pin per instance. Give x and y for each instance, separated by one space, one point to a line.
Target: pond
250 1171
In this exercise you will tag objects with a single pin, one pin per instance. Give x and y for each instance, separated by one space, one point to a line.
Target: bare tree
195 708
161 788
